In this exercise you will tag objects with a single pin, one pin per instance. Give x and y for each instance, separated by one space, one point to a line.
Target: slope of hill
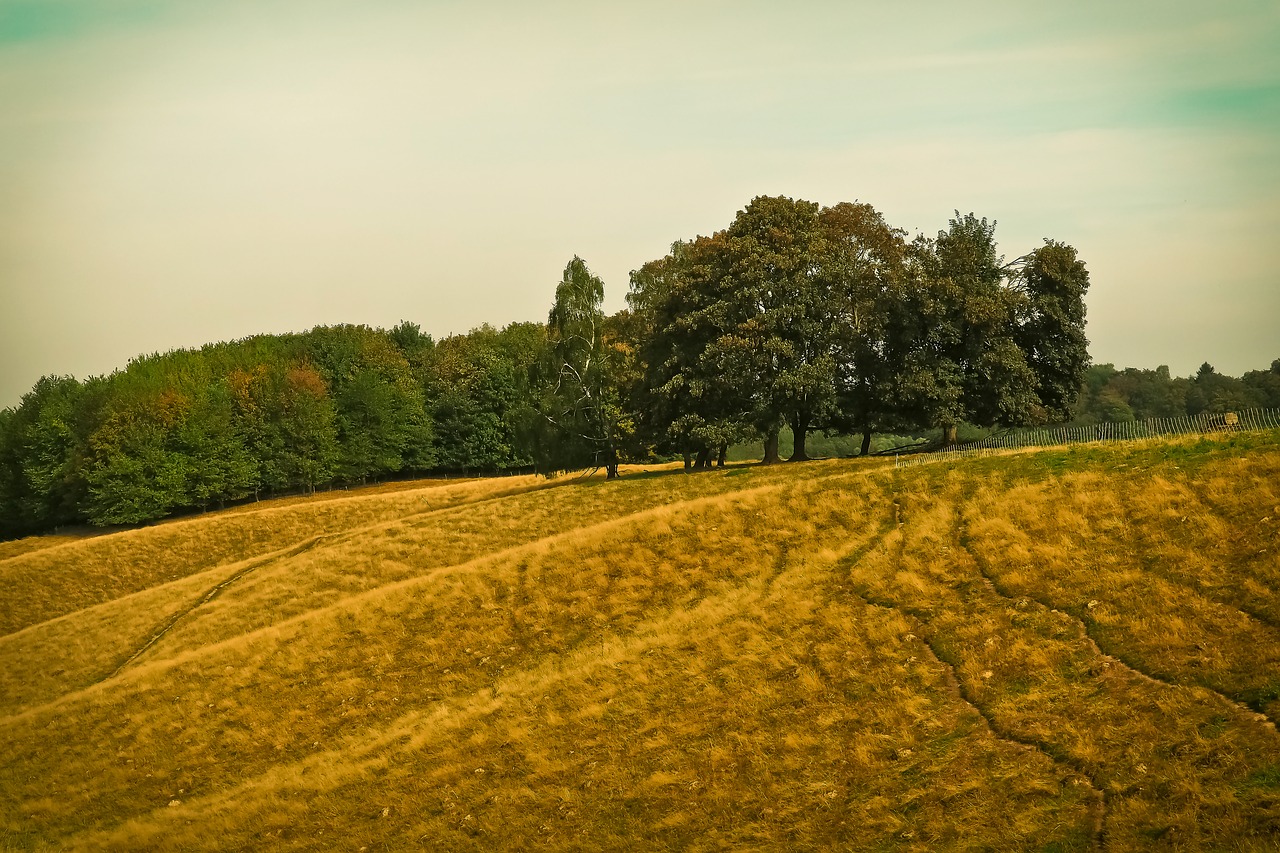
1068 649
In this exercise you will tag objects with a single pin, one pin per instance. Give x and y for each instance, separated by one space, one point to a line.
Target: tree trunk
948 435
723 455
688 461
866 441
611 465
801 430
771 456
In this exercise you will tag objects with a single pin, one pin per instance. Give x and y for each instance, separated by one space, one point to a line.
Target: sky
175 172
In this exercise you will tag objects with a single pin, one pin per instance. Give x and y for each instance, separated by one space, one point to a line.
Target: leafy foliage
192 429
1110 395
582 395
826 319
795 318
478 397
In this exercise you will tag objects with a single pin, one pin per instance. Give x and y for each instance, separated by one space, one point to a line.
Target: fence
1247 420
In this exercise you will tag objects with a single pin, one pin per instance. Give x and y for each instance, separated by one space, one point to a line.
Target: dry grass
833 655
18 547
44 583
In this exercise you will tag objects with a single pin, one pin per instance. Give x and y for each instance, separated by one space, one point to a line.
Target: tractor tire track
172 621
468 566
1077 770
1169 572
1084 634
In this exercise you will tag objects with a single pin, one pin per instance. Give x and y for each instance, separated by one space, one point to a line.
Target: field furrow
1039 650
679 718
1038 680
1086 557
410 644
46 583
398 551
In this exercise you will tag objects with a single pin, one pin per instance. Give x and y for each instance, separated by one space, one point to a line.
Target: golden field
1063 649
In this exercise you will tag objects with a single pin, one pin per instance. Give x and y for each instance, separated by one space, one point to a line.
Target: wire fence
1204 423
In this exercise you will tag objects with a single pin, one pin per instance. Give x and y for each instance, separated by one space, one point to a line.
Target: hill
1066 649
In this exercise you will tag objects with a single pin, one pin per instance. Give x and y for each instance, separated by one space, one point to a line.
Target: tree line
270 414
828 318
795 315
1115 396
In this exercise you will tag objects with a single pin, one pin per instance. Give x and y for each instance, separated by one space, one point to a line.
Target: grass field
1067 649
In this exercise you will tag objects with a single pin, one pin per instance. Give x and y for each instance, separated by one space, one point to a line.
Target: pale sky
175 172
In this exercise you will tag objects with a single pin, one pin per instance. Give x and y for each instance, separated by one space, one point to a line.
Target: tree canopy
825 318
582 400
794 316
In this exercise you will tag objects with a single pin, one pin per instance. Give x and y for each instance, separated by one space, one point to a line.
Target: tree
827 319
478 395
1143 393
623 333
862 265
583 400
962 361
137 472
409 339
42 452
778 350
1051 329
380 413
1113 409
925 341
1265 385
687 396
217 464
285 418
1211 391
12 523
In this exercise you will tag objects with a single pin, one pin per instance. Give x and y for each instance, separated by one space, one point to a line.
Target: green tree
478 396
1112 408
863 266
923 345
285 417
42 453
1051 329
778 351
1265 385
827 319
1145 393
380 413
137 473
583 398
964 361
218 466
686 398
410 340
11 521
1211 391
306 421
